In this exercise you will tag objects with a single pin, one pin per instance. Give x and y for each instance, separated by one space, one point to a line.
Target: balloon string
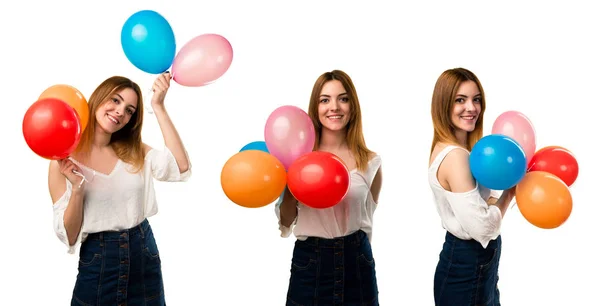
147 105
83 179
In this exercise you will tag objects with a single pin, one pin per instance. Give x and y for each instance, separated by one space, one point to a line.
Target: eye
325 100
129 111
115 100
478 100
460 100
345 99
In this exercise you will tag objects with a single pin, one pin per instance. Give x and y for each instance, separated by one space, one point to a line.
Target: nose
335 106
469 105
120 110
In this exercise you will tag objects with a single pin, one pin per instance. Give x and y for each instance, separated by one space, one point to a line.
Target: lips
113 119
335 117
467 117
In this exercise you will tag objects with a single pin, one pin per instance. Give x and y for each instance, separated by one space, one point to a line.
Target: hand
68 168
510 193
160 88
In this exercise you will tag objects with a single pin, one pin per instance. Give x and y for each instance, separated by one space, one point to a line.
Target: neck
461 136
101 139
332 140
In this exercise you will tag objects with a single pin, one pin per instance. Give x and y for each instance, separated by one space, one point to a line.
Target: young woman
332 262
467 271
104 192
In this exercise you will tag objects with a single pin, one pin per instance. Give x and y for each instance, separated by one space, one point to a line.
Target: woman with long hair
103 194
332 262
467 271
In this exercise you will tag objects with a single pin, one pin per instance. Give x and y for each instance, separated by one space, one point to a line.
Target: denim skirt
119 268
467 274
339 271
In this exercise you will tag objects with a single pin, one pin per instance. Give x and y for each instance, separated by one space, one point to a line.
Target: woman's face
334 106
114 114
467 107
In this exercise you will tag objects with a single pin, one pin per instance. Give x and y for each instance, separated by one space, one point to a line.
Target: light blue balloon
498 162
256 145
148 41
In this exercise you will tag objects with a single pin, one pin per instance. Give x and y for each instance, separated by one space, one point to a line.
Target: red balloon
318 179
52 128
558 161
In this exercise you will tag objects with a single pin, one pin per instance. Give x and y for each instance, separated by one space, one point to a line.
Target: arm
457 172
376 185
288 208
482 221
70 218
170 135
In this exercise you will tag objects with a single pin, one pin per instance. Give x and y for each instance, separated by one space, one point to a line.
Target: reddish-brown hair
442 104
354 131
127 142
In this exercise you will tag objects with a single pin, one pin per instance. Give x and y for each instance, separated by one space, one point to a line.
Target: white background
539 59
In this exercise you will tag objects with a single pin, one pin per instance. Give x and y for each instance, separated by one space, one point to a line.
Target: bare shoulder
57 183
455 171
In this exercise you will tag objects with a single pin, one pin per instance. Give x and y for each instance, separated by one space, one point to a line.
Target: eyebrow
465 96
328 96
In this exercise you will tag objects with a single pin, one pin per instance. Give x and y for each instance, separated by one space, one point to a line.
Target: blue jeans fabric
119 268
339 271
467 274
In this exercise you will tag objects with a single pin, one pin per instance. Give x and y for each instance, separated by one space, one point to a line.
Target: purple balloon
289 134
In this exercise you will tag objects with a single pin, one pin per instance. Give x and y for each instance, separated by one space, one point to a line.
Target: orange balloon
544 199
72 97
253 178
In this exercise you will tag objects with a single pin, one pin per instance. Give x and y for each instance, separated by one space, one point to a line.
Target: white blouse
465 215
353 213
120 199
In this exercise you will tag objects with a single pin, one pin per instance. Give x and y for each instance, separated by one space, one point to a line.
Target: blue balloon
148 41
256 145
498 162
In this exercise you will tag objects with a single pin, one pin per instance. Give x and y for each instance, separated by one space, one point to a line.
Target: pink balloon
289 134
518 127
202 60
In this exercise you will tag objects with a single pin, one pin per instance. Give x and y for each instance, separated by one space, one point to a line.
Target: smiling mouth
468 117
113 119
335 117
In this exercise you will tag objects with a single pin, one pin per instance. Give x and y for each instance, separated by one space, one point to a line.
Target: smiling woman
332 261
103 195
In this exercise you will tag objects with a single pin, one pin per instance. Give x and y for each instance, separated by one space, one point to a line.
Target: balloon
319 179
51 128
148 41
253 178
558 161
256 145
498 162
72 97
544 199
518 127
202 60
289 134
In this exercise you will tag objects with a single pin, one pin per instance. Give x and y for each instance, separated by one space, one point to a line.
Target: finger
164 81
68 170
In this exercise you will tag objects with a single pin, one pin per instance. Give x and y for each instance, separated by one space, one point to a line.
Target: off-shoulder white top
353 213
120 199
465 215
